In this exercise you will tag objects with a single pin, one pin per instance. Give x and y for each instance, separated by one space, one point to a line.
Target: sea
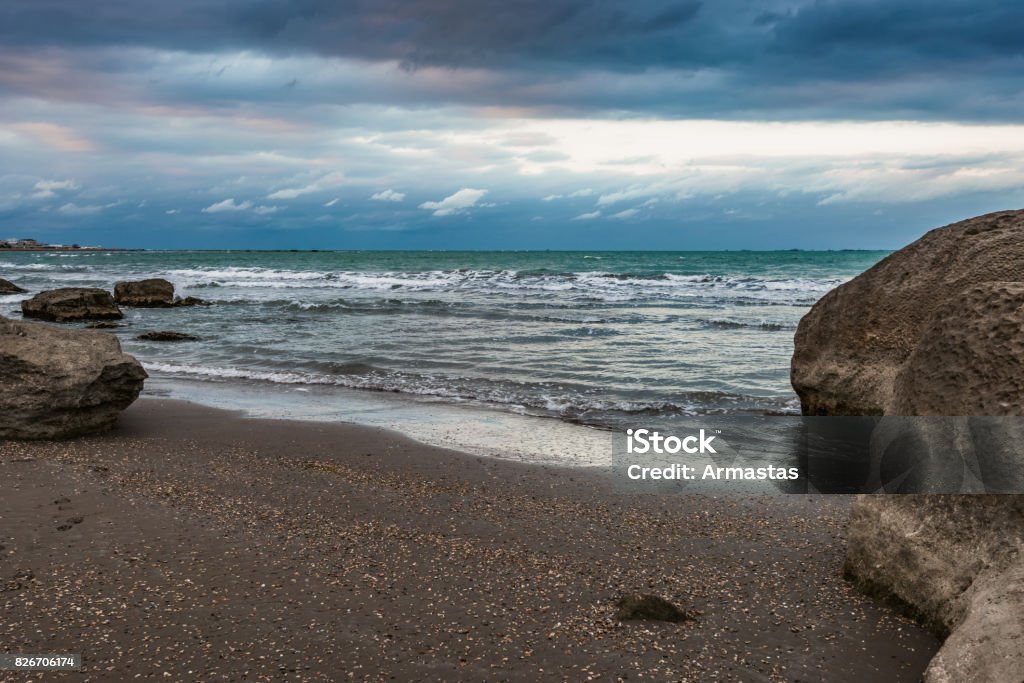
506 353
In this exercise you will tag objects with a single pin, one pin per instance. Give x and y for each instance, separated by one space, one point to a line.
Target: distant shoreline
5 250
443 251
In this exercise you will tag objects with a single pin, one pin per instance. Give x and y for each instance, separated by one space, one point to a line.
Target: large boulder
60 383
935 329
855 340
151 293
8 287
70 304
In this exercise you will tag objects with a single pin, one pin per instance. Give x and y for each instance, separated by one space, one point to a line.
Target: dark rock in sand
60 383
8 287
936 328
70 304
151 293
166 335
649 608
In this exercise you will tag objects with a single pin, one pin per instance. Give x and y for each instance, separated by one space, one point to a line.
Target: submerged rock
8 287
60 383
649 608
104 326
151 293
166 335
71 303
191 301
936 328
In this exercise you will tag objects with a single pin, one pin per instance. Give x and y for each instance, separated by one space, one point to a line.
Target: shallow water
595 338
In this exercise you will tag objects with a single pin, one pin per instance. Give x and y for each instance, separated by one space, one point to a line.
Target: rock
650 608
151 293
956 563
166 335
855 340
190 301
104 326
71 303
935 329
8 287
970 357
60 383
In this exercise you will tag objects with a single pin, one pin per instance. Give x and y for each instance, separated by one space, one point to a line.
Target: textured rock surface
59 383
8 287
969 359
936 328
855 340
151 293
71 303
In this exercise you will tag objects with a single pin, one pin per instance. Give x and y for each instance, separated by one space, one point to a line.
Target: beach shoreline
194 543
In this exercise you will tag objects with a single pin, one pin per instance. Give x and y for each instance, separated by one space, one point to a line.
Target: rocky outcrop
70 304
151 293
60 383
166 335
857 338
936 328
8 287
957 564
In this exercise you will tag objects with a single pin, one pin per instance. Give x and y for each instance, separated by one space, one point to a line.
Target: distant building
25 243
13 243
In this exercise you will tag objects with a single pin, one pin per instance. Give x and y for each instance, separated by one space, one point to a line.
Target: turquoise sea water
599 338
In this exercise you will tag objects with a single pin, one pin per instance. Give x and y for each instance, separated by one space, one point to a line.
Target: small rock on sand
649 608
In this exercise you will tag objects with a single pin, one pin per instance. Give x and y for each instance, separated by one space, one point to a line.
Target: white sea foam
599 286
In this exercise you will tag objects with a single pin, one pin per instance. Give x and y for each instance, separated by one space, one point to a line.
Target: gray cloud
805 59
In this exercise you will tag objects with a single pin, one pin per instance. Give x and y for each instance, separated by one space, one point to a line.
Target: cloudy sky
619 124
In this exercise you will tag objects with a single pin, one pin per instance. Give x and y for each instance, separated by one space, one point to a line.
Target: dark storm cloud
416 32
725 58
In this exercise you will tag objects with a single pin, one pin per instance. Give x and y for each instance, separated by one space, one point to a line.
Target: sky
507 124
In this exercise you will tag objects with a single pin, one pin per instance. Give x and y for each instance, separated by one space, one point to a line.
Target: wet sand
193 544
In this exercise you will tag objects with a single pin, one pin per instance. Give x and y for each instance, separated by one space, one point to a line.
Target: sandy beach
194 544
